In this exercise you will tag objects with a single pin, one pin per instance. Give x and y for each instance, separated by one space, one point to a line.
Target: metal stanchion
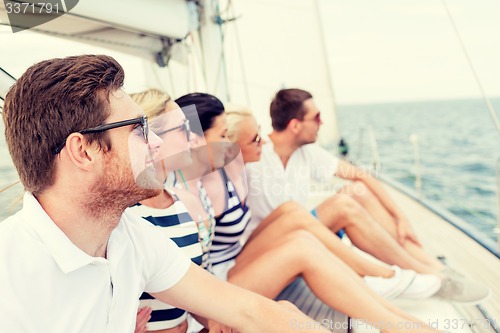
418 171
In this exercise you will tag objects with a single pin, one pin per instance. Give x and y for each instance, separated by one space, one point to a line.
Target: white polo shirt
47 284
270 184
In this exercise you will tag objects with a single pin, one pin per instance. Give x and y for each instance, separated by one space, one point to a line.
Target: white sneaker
458 288
423 286
391 287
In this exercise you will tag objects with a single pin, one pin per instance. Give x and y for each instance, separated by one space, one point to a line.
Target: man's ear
294 125
80 152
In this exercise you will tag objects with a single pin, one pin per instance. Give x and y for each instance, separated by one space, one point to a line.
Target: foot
458 288
404 284
391 287
423 286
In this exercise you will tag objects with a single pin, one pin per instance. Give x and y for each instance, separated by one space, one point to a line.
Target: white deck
463 254
440 238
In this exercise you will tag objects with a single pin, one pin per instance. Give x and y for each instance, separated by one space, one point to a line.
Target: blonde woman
165 210
267 264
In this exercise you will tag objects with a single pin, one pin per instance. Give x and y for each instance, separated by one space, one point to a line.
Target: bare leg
285 208
342 211
300 219
328 277
370 202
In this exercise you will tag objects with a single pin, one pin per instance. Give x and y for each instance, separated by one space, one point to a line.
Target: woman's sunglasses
184 126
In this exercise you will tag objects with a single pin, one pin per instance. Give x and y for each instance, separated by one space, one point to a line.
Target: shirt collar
66 254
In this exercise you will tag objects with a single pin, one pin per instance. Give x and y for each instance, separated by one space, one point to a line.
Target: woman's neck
163 200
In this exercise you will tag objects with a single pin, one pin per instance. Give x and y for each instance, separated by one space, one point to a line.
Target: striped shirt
229 226
176 222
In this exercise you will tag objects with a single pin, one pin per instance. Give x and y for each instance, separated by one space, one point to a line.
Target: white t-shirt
47 284
270 184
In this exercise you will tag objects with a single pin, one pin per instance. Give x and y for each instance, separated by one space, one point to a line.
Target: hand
215 327
406 233
143 316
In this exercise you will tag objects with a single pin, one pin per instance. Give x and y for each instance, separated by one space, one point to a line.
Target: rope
489 106
11 185
240 56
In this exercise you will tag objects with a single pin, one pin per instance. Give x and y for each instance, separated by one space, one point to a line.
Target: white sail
281 46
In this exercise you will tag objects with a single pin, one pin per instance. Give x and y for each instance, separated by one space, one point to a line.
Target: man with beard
70 260
362 209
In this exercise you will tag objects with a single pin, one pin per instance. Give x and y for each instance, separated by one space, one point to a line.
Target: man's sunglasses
317 118
184 126
142 121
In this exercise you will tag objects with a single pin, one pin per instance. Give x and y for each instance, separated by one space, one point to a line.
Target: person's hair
208 107
288 104
153 101
51 100
235 114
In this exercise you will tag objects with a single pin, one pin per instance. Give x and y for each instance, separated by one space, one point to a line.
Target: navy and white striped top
176 222
229 226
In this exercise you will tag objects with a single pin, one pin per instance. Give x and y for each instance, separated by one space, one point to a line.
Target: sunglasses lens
188 130
145 129
257 139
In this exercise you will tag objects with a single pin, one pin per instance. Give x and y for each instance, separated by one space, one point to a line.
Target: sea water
458 144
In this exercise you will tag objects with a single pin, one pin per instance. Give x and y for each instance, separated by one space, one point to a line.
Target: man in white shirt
70 260
362 209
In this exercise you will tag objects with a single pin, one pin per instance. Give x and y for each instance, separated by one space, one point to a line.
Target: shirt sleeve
165 264
323 165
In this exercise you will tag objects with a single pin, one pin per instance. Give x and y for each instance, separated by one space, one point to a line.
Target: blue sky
393 50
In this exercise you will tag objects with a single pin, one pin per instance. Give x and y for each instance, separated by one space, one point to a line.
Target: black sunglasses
184 126
142 121
317 118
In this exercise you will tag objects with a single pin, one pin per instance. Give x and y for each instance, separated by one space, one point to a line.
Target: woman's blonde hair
153 101
235 114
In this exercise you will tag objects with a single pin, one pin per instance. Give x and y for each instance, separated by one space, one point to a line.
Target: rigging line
240 56
192 81
171 80
327 65
11 185
489 106
222 65
198 62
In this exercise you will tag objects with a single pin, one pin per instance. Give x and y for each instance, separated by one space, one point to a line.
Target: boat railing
418 171
497 229
417 192
375 157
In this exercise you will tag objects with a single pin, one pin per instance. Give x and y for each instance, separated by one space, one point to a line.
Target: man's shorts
339 233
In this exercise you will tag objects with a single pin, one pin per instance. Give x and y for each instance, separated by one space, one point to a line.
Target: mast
214 66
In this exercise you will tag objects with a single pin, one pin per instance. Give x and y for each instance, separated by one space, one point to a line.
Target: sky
378 51
393 50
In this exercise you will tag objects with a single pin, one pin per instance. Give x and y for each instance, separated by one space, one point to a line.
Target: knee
299 218
300 241
348 208
288 207
288 305
360 191
302 248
